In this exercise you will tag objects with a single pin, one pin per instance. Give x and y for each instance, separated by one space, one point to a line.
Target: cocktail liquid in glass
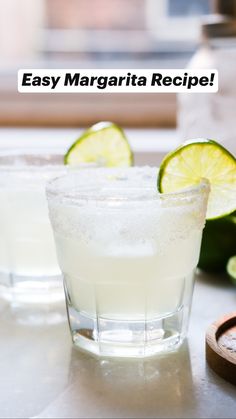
29 270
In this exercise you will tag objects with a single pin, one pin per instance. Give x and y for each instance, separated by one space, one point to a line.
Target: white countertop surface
42 376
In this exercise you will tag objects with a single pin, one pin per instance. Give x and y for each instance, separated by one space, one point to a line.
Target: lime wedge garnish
104 143
197 159
231 268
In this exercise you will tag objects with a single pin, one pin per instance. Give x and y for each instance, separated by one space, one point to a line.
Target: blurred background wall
99 34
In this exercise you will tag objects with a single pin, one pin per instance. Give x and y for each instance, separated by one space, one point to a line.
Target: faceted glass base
117 338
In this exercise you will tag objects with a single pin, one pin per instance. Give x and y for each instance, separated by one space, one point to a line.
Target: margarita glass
29 271
128 256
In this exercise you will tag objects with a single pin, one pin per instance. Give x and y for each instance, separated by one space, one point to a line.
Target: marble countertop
42 376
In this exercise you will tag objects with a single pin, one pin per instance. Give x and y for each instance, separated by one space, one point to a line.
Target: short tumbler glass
128 256
29 271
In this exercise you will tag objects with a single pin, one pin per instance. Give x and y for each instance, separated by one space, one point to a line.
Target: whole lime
218 243
231 269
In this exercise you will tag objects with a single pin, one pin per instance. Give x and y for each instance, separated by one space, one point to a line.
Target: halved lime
104 143
198 159
218 243
231 268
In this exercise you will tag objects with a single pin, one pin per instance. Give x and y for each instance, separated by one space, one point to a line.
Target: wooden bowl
221 347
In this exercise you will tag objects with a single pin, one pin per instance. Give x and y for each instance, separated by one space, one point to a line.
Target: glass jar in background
212 115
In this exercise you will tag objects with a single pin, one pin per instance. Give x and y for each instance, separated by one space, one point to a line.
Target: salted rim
35 152
38 152
56 189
